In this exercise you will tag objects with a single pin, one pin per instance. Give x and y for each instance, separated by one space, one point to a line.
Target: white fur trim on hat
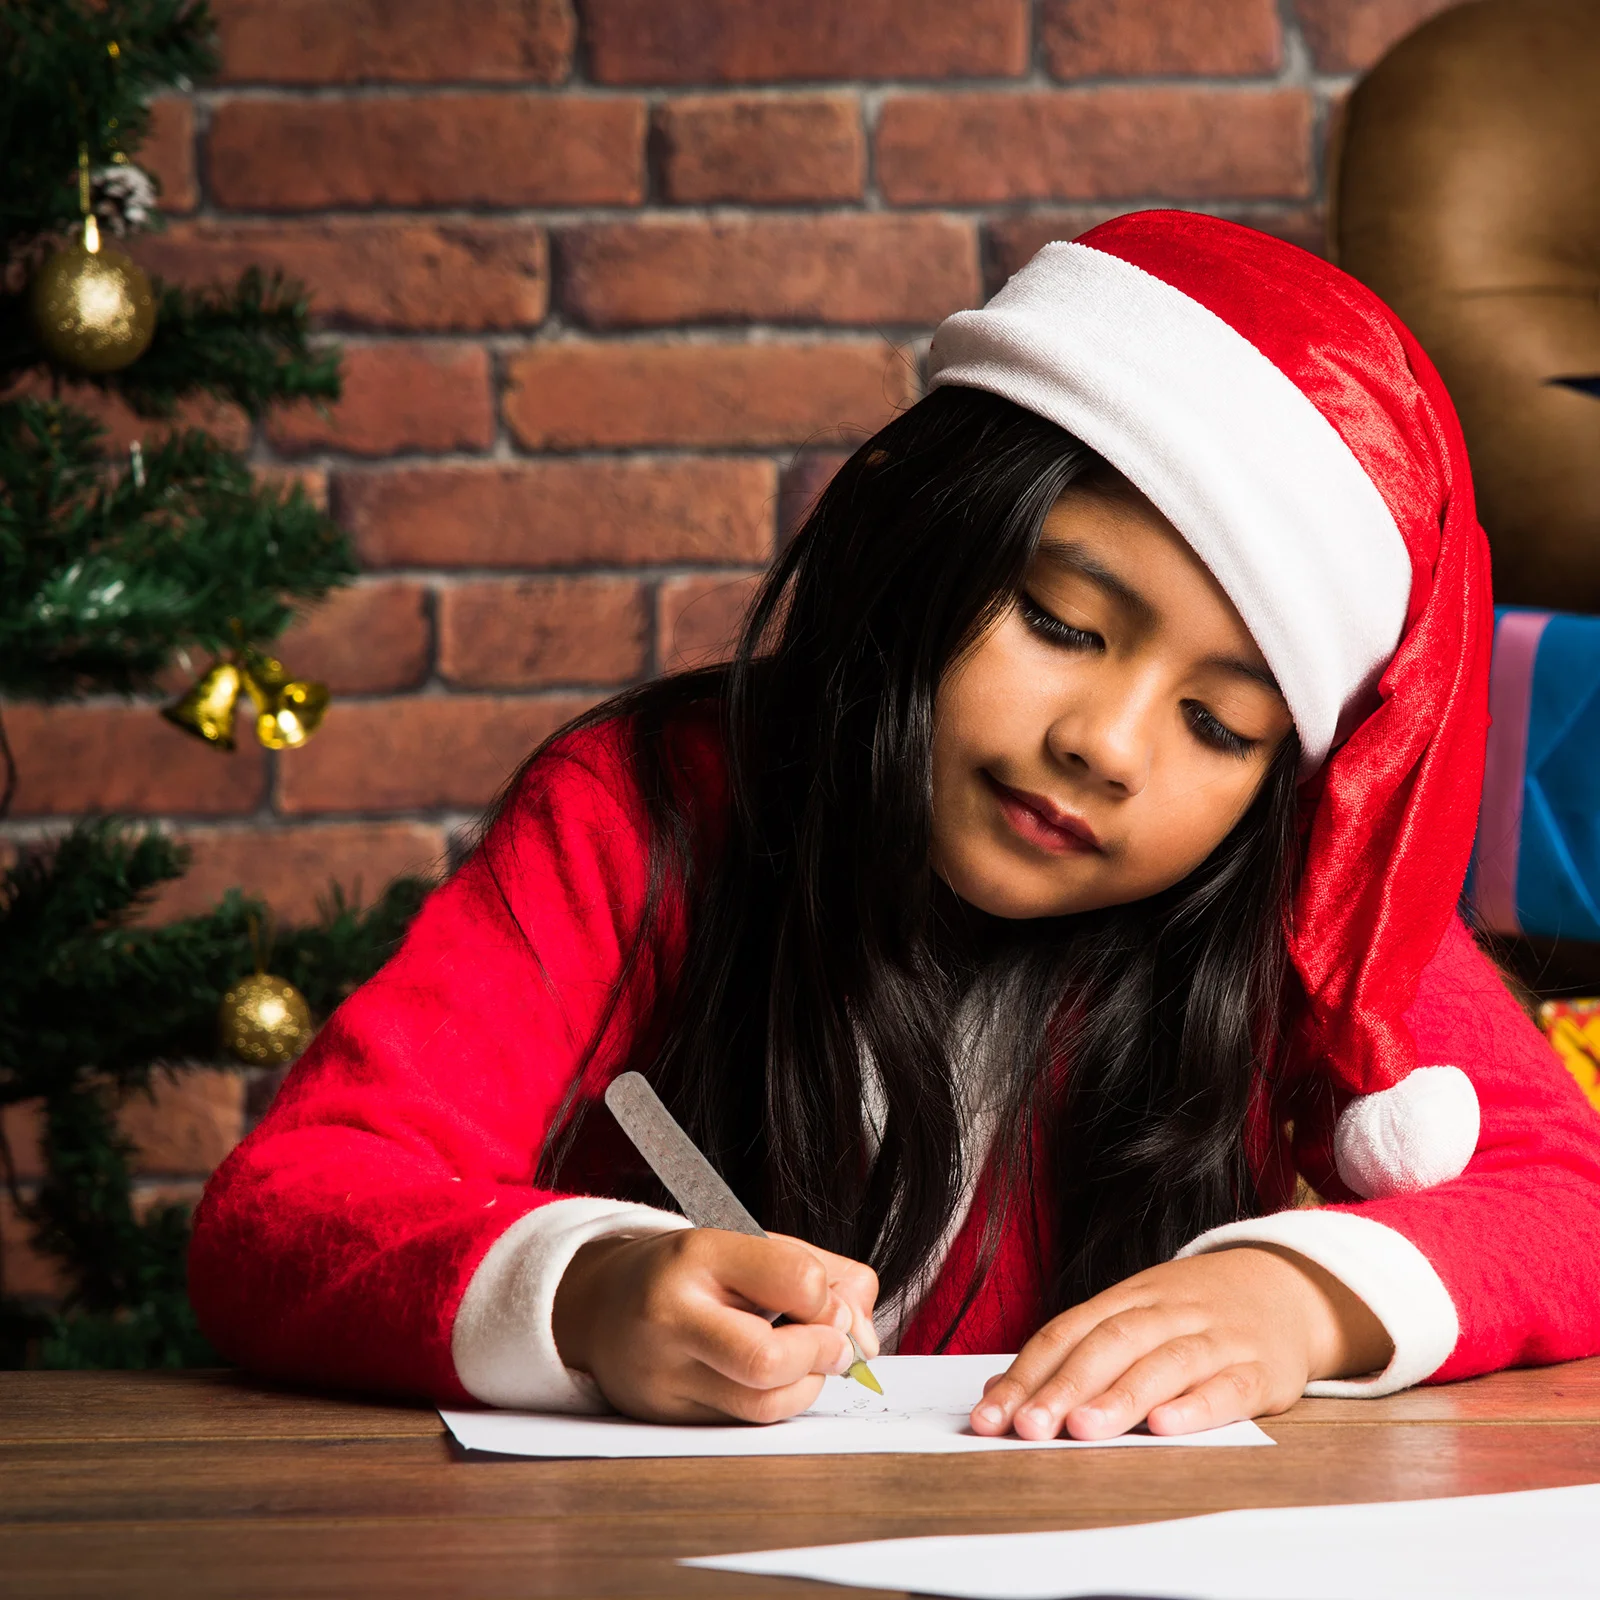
1421 1132
1225 445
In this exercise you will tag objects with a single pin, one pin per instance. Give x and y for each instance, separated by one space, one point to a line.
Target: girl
1064 870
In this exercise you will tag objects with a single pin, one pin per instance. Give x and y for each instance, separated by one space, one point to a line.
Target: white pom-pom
1419 1133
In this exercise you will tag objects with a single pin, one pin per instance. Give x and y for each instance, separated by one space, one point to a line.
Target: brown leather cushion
1467 194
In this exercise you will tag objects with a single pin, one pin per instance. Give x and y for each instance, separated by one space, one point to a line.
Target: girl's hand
671 1327
1186 1345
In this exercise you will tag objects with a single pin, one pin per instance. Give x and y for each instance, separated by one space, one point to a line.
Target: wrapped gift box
1536 866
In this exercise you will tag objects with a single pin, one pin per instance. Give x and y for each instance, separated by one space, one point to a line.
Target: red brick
803 481
1349 35
75 758
397 397
1138 38
698 619
167 153
313 481
766 41
503 634
22 1123
1181 142
187 1123
762 150
292 868
426 150
372 638
227 424
25 1271
1012 241
395 41
420 753
571 396
560 513
862 270
147 1196
366 272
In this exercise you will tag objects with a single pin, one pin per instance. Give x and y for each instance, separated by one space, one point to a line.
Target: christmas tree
111 569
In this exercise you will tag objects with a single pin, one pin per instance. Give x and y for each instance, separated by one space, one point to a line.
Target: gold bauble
265 1021
93 309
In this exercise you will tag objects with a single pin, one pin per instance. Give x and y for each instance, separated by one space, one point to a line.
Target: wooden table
116 1484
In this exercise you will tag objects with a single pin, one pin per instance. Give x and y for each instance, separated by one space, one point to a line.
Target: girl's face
1107 732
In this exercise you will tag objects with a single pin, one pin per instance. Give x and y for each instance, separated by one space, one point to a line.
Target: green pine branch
61 85
103 579
249 344
93 1004
92 996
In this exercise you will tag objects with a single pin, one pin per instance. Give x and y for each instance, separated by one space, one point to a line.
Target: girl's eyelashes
1204 725
1209 731
1051 627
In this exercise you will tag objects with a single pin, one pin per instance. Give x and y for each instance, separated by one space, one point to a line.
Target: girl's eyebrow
1244 669
1073 558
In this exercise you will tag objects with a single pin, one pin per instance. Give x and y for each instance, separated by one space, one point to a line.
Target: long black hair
1126 1043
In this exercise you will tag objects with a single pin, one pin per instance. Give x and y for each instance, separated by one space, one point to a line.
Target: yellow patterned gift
1573 1027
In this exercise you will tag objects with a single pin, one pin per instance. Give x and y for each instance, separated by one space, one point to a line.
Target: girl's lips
1042 822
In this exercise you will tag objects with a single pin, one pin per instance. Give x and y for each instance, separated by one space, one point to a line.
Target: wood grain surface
143 1484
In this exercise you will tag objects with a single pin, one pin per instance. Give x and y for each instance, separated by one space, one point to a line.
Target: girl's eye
1209 731
1054 629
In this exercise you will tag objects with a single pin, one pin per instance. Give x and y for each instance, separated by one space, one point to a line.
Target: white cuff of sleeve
502 1344
1382 1268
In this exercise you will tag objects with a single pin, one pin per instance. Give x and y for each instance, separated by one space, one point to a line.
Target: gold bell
207 709
288 710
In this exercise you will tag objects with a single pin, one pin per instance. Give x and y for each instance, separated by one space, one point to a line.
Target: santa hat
1287 424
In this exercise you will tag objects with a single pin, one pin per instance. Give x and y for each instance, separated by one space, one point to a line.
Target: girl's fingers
1169 1370
865 1331
1038 1359
773 1275
724 1398
747 1350
1041 1359
1093 1365
854 1283
1232 1395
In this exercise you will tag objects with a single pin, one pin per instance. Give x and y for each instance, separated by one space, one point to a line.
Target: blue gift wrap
1536 863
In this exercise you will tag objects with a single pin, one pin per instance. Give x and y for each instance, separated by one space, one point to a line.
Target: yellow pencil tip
862 1373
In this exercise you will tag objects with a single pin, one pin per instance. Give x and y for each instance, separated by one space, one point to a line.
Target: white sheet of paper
923 1411
1533 1545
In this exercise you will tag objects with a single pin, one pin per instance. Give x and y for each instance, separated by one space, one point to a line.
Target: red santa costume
380 1228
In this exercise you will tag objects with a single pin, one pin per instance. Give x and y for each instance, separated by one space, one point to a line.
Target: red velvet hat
1289 426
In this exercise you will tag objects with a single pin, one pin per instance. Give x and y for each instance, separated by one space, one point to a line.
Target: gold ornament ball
265 1021
94 309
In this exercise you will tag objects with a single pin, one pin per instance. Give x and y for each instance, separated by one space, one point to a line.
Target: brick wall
616 281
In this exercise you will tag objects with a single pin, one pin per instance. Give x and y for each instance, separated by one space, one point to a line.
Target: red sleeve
335 1243
1513 1238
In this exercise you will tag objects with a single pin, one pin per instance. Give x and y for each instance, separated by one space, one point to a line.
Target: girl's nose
1109 741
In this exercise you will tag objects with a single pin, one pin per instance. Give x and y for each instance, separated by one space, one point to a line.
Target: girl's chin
1013 896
